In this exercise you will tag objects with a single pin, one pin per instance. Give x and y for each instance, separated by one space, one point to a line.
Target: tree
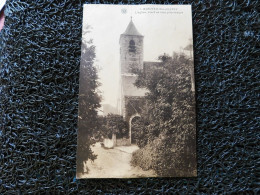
89 102
139 132
111 124
169 117
115 124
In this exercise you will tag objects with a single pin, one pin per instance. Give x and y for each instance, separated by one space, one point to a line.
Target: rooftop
131 29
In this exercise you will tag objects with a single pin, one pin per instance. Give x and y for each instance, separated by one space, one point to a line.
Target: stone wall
110 143
123 142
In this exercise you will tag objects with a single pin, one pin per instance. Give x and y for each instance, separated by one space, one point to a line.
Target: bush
168 139
144 157
177 161
139 133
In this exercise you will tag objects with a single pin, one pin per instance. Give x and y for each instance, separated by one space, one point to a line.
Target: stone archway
130 125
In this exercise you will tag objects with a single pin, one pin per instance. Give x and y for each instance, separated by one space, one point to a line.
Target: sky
166 29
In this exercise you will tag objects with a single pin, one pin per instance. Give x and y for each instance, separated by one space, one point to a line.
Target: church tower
131 56
131 49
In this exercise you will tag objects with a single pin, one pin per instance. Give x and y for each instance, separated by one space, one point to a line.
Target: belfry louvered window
132 46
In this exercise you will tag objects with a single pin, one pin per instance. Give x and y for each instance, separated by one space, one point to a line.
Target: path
114 163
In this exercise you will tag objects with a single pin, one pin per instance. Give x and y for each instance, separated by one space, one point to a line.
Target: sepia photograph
136 113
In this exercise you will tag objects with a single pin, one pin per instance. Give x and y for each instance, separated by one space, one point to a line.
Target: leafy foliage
89 102
139 131
113 124
169 118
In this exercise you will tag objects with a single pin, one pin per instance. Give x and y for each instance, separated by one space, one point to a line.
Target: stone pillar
114 139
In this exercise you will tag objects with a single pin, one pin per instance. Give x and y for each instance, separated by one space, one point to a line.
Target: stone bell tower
131 56
131 49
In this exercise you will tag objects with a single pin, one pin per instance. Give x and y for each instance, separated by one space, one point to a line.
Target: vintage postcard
137 93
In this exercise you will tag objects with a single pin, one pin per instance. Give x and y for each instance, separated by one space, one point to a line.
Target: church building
131 57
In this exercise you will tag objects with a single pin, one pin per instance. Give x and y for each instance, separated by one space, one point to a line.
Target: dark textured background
40 58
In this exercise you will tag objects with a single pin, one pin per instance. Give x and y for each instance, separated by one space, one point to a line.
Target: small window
132 46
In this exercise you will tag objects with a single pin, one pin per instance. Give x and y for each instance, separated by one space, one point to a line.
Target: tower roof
131 29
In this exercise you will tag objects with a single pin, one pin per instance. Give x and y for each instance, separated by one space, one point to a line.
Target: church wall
133 105
129 89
